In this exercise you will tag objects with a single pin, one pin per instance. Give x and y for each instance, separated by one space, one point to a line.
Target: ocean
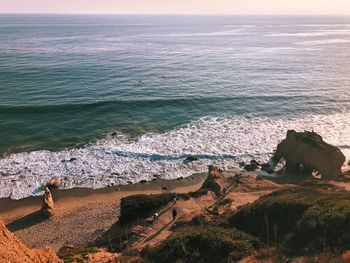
97 100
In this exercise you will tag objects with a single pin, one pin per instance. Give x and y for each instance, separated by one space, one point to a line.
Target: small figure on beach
174 214
155 217
237 178
175 197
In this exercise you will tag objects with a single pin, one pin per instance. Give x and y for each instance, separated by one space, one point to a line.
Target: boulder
307 151
215 172
191 158
69 161
215 181
48 207
252 166
242 164
267 168
54 183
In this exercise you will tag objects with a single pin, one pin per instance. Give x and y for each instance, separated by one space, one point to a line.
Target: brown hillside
13 251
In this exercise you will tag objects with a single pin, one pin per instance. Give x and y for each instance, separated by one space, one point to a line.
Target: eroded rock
191 158
307 151
215 171
48 207
54 183
267 168
252 166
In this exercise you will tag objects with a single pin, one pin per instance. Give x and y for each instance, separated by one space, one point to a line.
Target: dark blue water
67 81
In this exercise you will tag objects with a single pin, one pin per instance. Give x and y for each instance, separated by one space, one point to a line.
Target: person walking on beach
174 214
175 197
155 217
237 179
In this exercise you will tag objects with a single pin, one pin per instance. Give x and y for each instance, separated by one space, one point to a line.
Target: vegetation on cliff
141 206
304 218
203 244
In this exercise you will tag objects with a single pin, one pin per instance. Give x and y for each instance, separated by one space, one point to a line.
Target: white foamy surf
118 160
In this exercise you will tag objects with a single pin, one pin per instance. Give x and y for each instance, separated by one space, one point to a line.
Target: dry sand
82 215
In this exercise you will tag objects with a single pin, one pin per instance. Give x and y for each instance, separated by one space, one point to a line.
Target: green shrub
184 196
305 217
198 220
198 193
142 206
203 244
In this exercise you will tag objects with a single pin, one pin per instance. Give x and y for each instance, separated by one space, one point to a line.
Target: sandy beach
82 215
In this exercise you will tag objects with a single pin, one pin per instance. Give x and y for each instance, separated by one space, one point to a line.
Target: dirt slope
13 251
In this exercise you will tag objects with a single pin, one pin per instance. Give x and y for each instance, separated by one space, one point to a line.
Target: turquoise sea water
225 88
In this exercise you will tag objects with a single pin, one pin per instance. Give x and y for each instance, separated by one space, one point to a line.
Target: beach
82 215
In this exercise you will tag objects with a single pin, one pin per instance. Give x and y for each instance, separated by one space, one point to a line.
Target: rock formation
48 208
307 151
191 158
215 181
252 166
12 250
215 172
54 183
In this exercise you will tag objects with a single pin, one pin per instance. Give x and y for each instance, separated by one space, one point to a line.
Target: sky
275 7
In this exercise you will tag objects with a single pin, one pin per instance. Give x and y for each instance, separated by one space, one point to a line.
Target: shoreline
77 195
81 214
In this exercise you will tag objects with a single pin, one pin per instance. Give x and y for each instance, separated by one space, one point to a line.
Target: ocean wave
237 31
120 160
312 34
324 42
316 25
29 109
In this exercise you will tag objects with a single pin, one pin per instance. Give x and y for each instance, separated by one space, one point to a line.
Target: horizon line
174 14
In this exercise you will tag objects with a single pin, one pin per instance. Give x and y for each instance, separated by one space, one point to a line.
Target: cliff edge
13 251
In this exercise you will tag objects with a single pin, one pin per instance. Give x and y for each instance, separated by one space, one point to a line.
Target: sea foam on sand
119 160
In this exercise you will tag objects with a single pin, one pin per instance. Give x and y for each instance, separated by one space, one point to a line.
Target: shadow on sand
26 221
158 232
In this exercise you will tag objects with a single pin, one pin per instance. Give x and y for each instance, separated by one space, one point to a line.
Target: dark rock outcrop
252 166
214 181
267 168
215 172
307 151
191 158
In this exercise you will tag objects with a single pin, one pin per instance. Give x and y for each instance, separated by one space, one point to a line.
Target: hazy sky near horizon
341 7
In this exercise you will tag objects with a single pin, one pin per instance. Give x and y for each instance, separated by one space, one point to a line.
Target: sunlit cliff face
336 7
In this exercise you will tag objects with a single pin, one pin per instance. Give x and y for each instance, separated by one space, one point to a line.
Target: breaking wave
119 160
